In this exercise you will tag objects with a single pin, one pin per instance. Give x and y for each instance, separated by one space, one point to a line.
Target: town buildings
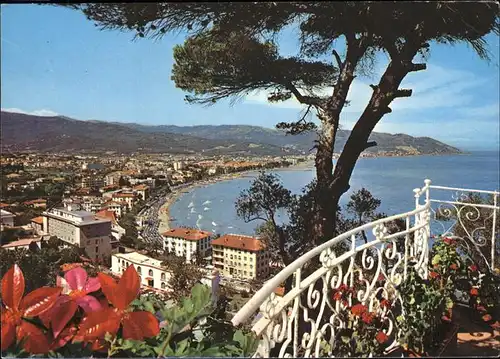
186 242
82 229
238 256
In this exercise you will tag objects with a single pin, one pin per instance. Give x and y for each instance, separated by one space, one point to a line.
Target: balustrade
326 282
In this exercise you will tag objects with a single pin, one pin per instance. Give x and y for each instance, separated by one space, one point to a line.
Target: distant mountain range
22 132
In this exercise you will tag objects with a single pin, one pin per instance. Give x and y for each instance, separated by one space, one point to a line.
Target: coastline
164 211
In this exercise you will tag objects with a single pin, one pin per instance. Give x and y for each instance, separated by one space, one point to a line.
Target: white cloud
43 112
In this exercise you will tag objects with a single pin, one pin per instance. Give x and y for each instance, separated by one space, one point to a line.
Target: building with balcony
152 274
150 270
238 256
81 229
186 242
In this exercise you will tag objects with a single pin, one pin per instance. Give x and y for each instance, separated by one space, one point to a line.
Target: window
139 270
163 285
163 277
150 272
97 249
88 243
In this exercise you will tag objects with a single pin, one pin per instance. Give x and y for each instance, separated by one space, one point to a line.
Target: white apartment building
81 229
238 256
185 242
125 198
152 274
150 271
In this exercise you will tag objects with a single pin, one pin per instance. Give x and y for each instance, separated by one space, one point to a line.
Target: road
151 223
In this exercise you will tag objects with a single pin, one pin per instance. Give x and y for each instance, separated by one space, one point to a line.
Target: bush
96 316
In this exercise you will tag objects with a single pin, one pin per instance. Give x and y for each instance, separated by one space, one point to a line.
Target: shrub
97 316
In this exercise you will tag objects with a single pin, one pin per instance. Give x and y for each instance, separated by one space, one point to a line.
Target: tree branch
374 87
416 67
337 57
307 100
402 93
370 144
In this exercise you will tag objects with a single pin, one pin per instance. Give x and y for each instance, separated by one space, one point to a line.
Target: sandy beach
164 212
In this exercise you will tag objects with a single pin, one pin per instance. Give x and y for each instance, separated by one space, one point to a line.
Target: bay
391 179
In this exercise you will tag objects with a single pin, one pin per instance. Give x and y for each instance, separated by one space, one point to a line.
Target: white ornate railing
305 321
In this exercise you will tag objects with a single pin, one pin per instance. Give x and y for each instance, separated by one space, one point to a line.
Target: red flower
337 295
358 309
474 291
447 240
380 277
136 325
453 266
17 308
487 317
433 275
481 308
473 268
381 337
367 317
385 304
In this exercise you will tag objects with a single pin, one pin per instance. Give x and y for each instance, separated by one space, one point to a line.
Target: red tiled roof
4 205
141 187
37 220
107 214
239 242
187 234
21 242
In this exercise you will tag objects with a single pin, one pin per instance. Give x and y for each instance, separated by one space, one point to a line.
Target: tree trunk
326 209
383 94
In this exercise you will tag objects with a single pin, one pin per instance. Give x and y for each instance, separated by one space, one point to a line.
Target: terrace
346 288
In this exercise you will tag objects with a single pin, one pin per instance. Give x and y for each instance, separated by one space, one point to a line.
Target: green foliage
186 331
423 304
184 275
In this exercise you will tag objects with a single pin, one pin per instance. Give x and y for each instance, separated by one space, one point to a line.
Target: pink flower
76 286
473 268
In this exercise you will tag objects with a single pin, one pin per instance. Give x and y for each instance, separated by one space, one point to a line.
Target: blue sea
391 179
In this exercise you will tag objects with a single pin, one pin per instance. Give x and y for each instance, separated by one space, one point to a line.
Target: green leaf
248 343
181 347
436 259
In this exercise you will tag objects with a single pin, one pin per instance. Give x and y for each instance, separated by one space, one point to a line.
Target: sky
55 61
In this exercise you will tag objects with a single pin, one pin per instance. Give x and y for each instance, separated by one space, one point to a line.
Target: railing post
414 244
427 216
495 210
